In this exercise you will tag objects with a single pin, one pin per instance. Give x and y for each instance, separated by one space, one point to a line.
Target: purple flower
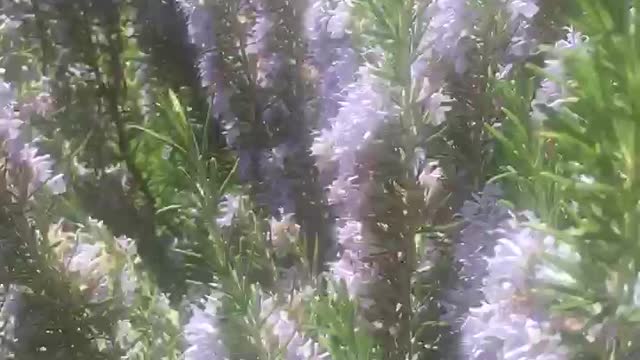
331 52
39 170
282 331
93 265
202 30
447 37
508 324
204 335
364 109
202 33
553 92
520 25
476 241
29 169
10 123
522 8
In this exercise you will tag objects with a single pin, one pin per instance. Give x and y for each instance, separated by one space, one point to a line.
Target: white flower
553 93
548 272
39 170
438 111
229 207
526 8
323 149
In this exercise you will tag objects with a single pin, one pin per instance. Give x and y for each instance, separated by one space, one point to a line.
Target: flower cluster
553 92
201 26
510 324
476 241
523 41
448 37
204 334
28 168
333 59
339 149
281 331
102 266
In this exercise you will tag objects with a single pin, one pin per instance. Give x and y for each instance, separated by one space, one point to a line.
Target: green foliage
334 320
579 171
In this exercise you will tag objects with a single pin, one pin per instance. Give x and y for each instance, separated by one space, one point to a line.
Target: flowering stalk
267 128
373 194
332 60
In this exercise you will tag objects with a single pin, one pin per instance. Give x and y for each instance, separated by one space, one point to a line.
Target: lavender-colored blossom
10 123
364 110
9 132
283 332
476 241
201 27
40 170
262 43
204 335
7 95
128 284
447 37
553 93
338 22
41 105
271 141
508 325
27 165
522 8
493 332
331 52
346 143
428 75
520 24
85 257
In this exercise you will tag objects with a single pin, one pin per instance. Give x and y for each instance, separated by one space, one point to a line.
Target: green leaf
158 136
